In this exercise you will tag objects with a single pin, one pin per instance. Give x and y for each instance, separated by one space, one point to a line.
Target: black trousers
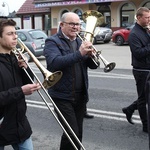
147 89
73 111
140 103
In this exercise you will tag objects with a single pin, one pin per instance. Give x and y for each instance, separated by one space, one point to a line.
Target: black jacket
139 42
59 57
15 126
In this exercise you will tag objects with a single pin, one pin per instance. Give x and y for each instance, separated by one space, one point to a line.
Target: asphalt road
108 92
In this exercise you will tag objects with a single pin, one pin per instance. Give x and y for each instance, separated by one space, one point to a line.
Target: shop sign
75 2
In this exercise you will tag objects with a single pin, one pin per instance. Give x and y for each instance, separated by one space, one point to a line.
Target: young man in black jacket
15 129
139 42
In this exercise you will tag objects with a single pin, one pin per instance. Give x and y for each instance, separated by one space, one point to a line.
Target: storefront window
79 13
64 11
147 4
127 14
105 10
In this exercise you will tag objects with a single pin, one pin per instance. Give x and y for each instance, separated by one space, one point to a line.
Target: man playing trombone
15 129
64 51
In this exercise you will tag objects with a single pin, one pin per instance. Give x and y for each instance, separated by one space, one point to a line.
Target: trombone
50 80
92 16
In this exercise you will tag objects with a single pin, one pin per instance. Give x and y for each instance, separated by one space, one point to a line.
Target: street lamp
4 4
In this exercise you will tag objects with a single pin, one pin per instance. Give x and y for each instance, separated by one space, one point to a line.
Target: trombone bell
109 67
52 79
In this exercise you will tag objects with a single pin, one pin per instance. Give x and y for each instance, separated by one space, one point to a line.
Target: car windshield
37 34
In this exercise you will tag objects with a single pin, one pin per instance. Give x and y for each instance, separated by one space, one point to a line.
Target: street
109 93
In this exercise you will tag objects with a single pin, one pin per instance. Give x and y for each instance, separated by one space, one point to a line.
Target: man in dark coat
139 42
64 51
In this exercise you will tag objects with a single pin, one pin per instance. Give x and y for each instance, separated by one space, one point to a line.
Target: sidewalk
121 55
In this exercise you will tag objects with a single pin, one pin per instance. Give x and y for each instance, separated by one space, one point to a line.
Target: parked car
34 39
101 34
120 37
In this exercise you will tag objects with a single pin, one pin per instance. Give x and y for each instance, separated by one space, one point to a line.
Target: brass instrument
94 18
50 80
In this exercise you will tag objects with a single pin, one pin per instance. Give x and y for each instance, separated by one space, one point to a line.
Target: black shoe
88 116
145 129
128 115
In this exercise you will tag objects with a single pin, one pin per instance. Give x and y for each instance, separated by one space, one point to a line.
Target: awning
75 2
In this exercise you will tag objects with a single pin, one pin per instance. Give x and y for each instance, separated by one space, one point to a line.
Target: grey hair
141 10
64 16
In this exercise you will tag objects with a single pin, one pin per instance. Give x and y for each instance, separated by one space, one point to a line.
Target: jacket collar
7 58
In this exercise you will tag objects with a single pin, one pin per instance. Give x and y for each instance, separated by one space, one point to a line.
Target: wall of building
57 11
18 21
114 7
38 22
56 14
115 15
114 12
27 22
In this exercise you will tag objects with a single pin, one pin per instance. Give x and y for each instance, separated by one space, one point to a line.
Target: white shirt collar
68 37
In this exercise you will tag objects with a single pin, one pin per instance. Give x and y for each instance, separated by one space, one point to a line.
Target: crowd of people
66 52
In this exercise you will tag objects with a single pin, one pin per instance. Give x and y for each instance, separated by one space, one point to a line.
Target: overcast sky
10 5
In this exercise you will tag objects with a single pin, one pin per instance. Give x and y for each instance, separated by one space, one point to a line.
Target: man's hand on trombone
22 62
28 89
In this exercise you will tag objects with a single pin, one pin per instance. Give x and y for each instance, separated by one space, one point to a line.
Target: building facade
117 13
30 17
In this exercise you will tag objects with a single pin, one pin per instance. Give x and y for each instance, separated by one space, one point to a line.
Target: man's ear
60 24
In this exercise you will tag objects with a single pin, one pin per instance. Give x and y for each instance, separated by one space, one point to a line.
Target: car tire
94 41
119 40
107 41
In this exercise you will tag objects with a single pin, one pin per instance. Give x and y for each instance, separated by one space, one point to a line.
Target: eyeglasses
72 24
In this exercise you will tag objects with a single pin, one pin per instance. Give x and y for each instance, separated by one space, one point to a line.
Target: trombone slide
51 79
